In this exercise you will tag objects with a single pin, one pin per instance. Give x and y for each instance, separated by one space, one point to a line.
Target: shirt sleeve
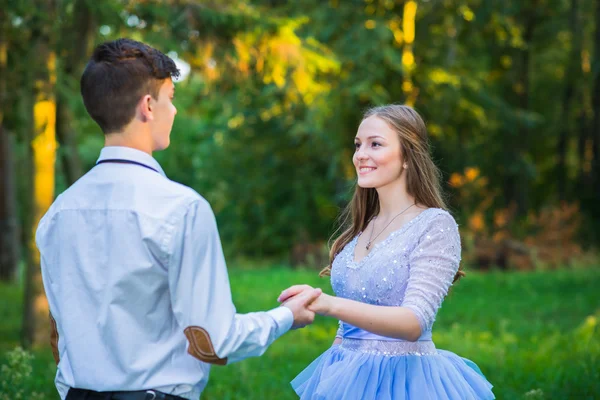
201 296
433 265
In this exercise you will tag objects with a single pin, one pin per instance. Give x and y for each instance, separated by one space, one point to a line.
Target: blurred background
269 100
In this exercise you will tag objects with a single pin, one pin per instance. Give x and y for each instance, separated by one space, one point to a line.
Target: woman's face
377 156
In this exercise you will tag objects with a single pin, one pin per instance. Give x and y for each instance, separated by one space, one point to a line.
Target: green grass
535 335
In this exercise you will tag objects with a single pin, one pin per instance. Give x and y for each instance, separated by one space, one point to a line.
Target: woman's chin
365 184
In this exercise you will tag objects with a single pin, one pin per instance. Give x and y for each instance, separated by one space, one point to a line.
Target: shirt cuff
284 318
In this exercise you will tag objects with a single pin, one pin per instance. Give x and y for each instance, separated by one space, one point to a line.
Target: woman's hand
292 291
322 305
395 322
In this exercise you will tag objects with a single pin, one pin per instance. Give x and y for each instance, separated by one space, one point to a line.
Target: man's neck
125 139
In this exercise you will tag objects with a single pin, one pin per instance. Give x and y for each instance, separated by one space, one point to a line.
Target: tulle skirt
347 374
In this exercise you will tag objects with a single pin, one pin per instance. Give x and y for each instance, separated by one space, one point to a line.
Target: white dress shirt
130 260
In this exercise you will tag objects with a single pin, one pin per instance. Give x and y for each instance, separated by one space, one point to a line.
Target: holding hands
299 304
305 301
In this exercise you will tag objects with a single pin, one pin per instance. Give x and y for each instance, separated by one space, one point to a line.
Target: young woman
391 269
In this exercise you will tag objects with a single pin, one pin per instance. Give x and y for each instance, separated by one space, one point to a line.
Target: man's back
106 246
132 263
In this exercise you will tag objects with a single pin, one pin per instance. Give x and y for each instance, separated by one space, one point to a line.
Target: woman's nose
360 154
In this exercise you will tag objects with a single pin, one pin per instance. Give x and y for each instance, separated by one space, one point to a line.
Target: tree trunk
9 233
408 57
36 328
583 173
8 211
595 131
71 162
570 78
521 182
28 323
75 53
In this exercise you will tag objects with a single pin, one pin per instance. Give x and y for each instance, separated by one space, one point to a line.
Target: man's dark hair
117 76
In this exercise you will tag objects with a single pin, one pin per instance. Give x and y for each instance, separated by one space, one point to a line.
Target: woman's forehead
374 126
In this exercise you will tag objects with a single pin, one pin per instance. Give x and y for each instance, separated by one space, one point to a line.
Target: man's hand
293 291
298 304
322 305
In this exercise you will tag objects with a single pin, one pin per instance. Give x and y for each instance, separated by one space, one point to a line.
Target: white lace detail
390 348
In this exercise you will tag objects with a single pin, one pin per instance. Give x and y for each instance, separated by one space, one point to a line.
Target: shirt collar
131 154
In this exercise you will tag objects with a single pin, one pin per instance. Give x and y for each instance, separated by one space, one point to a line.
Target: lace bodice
413 267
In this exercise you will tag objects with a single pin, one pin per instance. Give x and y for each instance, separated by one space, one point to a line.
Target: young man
132 262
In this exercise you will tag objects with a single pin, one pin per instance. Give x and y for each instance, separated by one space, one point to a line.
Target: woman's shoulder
439 215
438 218
439 231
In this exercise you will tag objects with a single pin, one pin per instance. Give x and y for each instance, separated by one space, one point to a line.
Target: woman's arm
396 322
433 264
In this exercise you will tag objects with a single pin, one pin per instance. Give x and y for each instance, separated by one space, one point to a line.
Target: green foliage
16 376
534 335
277 89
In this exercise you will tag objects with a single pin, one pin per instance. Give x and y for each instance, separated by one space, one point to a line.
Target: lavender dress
413 268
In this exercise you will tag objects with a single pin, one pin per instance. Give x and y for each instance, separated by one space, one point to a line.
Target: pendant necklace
370 242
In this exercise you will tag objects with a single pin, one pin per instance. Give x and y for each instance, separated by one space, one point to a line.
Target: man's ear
145 108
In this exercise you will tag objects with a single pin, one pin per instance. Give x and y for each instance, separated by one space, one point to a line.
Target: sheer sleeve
433 265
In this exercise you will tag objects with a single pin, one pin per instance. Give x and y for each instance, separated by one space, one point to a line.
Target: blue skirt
343 374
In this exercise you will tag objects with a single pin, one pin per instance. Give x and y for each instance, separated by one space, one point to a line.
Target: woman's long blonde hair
422 177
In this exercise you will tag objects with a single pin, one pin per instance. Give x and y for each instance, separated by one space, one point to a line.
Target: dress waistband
350 331
389 348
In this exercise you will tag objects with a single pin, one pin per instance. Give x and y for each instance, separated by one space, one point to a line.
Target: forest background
269 101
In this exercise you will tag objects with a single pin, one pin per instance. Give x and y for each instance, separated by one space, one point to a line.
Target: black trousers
84 394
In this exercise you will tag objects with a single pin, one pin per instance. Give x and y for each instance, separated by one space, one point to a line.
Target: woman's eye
376 144
356 146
